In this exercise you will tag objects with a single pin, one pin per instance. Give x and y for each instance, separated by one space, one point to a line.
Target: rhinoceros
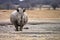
19 18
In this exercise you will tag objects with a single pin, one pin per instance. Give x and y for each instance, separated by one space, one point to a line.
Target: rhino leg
21 27
16 27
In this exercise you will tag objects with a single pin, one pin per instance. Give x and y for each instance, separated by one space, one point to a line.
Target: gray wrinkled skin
18 18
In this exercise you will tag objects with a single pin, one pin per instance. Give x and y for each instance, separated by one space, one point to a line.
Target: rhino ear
24 10
17 10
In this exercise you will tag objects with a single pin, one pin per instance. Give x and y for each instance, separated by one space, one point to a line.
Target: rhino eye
24 10
17 10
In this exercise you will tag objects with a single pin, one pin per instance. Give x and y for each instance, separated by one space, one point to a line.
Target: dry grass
39 14
44 14
5 14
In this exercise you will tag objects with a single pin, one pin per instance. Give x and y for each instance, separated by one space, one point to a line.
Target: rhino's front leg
16 27
21 27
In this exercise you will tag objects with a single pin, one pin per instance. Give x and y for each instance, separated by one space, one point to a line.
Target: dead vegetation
32 14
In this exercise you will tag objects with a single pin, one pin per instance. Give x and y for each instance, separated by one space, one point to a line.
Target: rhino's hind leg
16 27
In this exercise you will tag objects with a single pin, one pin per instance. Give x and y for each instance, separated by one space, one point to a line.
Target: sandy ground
35 32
